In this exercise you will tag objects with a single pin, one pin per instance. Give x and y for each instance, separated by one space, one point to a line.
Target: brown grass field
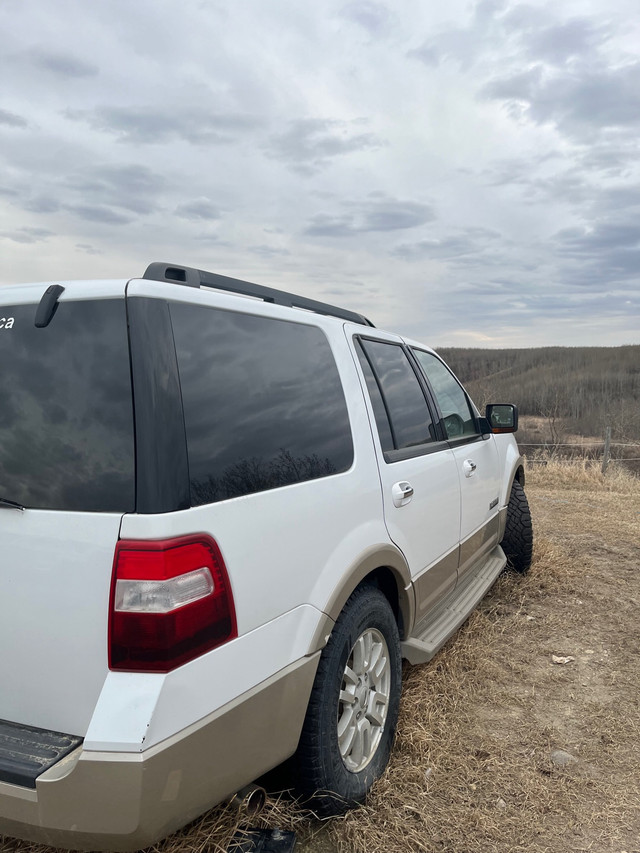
472 768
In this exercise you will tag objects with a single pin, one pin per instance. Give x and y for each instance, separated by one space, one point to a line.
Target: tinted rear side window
406 404
377 403
66 414
263 403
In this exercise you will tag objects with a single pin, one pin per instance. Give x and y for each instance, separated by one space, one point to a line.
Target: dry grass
211 833
550 472
472 769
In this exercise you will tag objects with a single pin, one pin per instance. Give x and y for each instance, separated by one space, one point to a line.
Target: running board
455 609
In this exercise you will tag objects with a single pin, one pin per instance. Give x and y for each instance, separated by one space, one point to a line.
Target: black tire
518 536
322 774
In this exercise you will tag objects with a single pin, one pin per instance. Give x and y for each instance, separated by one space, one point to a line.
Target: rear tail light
171 601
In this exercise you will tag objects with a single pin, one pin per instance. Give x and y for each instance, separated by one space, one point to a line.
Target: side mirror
502 417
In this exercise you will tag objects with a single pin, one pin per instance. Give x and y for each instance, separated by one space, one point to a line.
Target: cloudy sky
466 173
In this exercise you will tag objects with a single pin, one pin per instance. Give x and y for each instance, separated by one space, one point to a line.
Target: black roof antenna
48 305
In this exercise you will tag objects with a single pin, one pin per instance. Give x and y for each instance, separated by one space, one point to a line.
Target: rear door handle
401 493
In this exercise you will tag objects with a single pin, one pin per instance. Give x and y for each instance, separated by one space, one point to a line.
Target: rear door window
400 407
263 402
66 412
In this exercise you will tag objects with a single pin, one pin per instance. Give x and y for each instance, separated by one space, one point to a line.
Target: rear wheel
518 535
353 709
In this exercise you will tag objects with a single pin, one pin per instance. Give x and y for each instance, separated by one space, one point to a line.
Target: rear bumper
126 801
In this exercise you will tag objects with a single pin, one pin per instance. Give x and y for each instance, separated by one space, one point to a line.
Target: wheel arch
514 471
517 474
384 568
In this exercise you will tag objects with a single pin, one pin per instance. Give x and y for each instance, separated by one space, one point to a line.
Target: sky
463 173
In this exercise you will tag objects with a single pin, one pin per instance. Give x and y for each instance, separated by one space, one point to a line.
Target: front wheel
353 710
517 543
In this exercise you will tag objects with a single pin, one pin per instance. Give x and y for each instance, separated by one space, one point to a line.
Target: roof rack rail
192 277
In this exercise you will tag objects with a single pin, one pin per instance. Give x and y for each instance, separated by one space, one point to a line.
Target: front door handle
469 467
401 493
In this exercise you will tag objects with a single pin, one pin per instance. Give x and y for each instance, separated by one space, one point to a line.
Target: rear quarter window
263 403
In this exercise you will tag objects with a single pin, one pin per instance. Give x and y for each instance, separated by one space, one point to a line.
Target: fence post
607 449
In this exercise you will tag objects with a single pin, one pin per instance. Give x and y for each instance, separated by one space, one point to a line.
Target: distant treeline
576 389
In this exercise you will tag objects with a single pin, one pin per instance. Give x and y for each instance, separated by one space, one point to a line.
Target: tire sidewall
367 608
518 537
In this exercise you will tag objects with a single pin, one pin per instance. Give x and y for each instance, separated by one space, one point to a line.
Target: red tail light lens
171 601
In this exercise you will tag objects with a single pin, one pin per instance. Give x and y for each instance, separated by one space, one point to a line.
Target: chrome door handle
401 493
469 467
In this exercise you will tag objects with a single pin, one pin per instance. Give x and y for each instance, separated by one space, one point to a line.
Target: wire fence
587 449
552 444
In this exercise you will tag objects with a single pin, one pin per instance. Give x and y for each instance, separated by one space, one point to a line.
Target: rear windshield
66 414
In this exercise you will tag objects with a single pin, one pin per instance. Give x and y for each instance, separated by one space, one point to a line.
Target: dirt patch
498 747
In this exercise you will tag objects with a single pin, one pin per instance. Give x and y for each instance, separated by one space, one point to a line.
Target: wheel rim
364 700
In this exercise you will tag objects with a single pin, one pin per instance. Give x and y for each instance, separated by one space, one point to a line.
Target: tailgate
55 579
67 475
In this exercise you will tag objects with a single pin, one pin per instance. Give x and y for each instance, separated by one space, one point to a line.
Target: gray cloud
41 204
27 235
379 213
550 71
210 237
595 100
391 215
605 255
613 155
522 35
147 125
606 235
427 53
540 182
95 192
324 225
517 87
88 249
558 43
375 18
499 302
485 288
515 170
132 187
473 241
64 65
573 179
619 199
12 120
464 45
309 145
99 213
268 251
201 208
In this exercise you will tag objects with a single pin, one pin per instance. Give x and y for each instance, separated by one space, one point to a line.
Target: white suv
223 522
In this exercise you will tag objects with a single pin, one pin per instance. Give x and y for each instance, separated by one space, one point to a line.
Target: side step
26 752
453 610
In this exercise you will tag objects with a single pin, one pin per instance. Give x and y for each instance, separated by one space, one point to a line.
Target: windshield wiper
11 504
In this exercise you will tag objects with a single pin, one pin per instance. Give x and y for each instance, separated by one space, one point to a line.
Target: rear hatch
67 475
